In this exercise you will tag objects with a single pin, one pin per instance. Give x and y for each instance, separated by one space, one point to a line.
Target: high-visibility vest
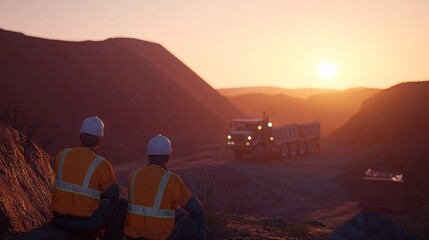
154 211
75 188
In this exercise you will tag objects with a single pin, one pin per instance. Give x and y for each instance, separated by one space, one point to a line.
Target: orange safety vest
74 188
79 192
154 195
155 210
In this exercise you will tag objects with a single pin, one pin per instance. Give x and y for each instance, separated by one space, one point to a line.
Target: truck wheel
259 152
311 146
301 148
284 151
293 149
238 154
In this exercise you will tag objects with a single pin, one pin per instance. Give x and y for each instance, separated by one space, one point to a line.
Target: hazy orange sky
373 43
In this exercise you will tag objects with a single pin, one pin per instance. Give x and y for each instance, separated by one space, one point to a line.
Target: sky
236 43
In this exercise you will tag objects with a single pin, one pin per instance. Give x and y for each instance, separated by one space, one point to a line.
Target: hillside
25 182
390 132
138 88
302 93
398 114
331 109
181 74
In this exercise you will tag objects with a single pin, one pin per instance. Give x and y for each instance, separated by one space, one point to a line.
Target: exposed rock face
25 183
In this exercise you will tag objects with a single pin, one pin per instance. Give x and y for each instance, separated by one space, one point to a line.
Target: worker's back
146 219
75 167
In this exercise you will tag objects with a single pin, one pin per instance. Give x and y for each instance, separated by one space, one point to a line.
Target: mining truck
259 139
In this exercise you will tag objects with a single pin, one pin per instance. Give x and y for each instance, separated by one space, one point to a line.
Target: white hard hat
93 125
159 145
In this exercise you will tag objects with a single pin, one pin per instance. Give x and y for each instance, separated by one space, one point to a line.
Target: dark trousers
187 226
109 215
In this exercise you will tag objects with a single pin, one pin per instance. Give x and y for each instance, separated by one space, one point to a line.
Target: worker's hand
194 206
112 193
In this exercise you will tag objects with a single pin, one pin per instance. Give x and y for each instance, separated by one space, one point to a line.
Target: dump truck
258 138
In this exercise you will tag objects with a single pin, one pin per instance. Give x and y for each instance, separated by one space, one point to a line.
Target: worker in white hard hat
85 197
155 195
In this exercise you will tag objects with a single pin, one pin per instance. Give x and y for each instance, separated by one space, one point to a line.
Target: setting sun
327 70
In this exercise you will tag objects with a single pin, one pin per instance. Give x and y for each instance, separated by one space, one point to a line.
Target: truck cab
258 138
247 136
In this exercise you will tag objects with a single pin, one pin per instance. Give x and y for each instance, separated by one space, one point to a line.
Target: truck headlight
249 138
270 124
229 137
247 143
271 138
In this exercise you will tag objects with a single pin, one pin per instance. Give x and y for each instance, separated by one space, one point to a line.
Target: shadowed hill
302 93
331 109
138 90
397 115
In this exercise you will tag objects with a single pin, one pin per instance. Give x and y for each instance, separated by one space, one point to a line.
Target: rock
369 226
25 182
316 224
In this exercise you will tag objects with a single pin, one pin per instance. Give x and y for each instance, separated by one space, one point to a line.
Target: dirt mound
183 75
25 182
138 88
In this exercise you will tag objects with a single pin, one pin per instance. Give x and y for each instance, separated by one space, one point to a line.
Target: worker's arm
194 206
108 182
186 199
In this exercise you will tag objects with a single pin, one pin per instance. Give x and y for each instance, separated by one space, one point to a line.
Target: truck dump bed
285 134
296 132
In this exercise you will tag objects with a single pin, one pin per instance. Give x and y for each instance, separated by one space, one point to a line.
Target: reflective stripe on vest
155 210
76 188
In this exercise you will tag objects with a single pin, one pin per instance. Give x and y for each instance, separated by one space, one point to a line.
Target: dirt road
300 189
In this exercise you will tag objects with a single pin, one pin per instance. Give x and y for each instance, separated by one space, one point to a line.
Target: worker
85 197
155 195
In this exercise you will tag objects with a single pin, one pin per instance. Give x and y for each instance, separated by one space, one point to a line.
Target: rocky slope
25 183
